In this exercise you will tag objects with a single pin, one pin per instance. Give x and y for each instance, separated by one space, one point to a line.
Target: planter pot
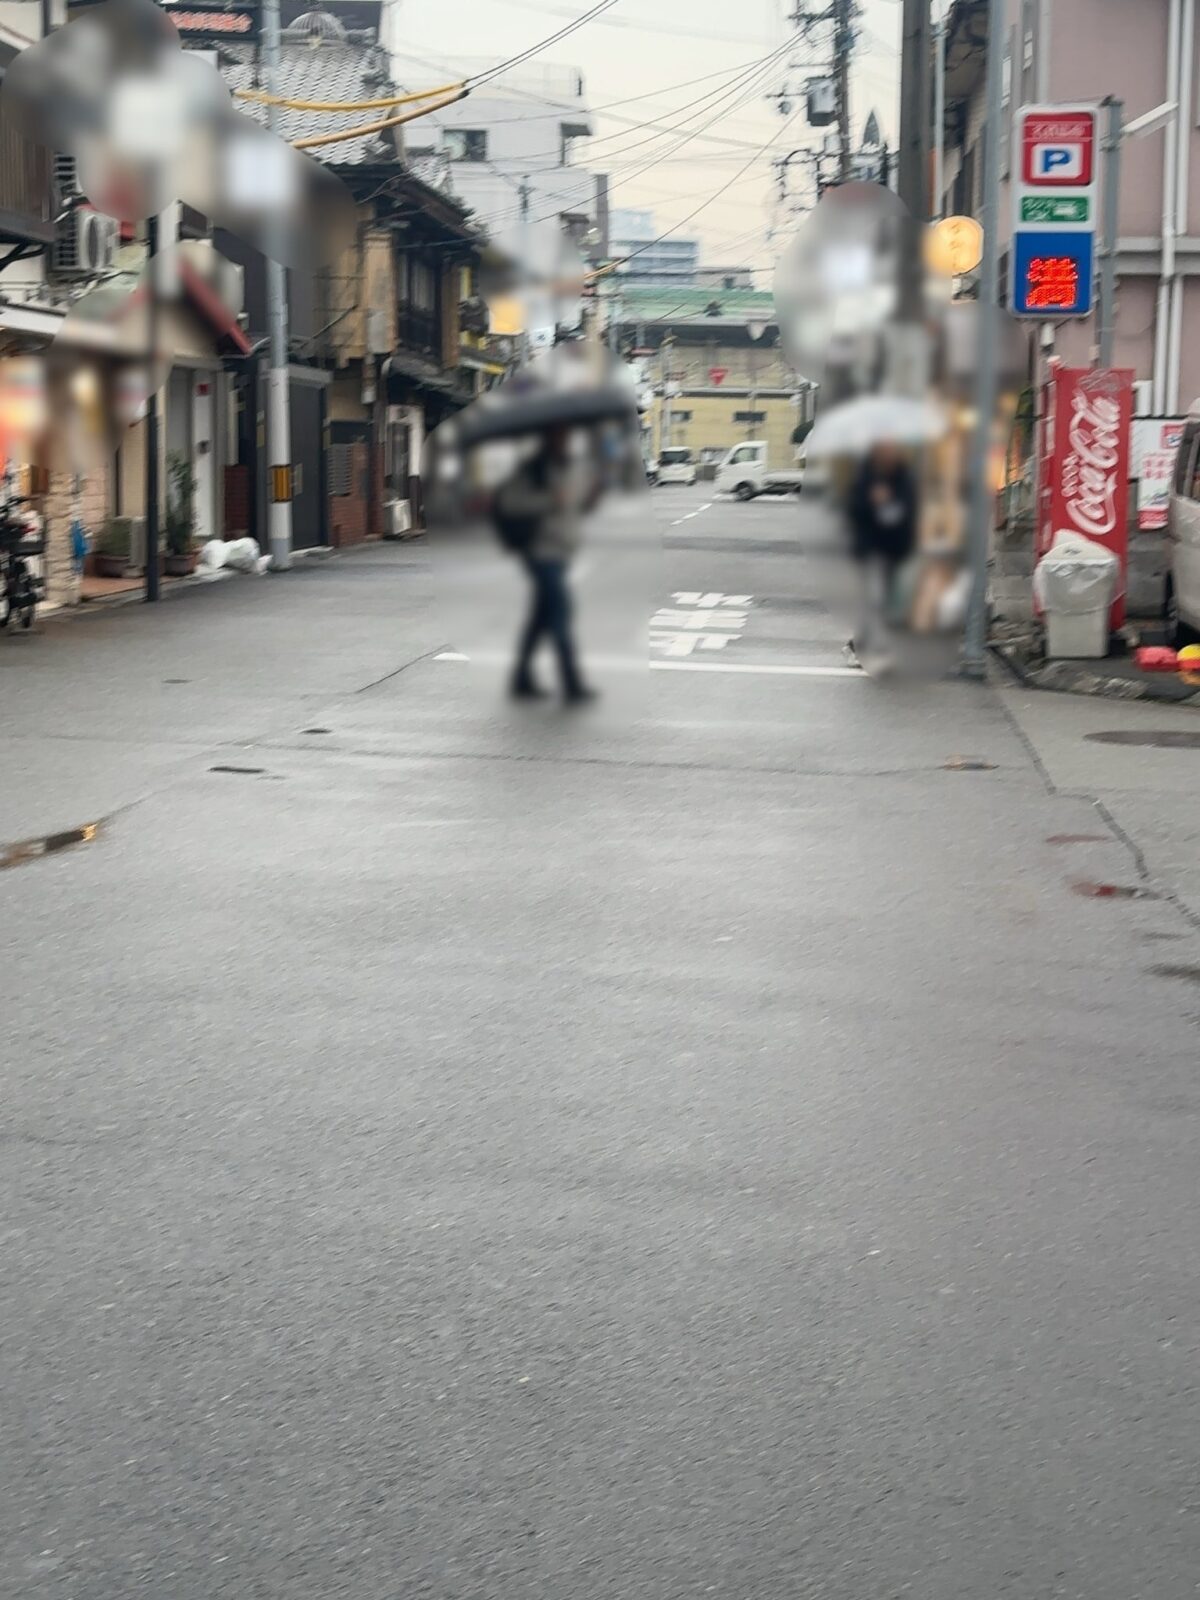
110 566
183 565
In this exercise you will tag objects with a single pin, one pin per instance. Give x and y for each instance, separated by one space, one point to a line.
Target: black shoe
526 689
581 696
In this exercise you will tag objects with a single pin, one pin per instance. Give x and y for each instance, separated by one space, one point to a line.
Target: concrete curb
1072 677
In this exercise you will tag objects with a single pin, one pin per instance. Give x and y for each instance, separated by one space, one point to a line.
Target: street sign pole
1113 135
982 499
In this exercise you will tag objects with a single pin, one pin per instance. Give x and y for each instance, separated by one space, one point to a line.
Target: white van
744 474
1183 537
676 465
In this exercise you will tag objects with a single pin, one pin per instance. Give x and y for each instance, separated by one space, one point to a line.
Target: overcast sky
651 48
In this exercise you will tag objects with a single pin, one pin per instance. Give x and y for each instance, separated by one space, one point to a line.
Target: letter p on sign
1057 163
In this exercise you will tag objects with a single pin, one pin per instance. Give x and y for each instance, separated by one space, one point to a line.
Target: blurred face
885 456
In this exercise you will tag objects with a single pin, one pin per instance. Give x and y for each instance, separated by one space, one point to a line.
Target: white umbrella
856 426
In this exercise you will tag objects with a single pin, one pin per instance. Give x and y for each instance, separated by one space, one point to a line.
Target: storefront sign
208 21
1083 461
1054 212
1155 444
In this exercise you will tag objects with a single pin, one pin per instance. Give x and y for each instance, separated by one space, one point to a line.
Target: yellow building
711 357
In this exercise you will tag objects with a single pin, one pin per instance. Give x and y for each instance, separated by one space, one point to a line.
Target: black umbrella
512 412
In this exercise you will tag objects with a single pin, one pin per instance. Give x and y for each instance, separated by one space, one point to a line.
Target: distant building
652 260
725 278
713 365
509 155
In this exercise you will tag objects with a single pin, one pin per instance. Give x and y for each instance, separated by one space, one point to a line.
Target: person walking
539 512
883 525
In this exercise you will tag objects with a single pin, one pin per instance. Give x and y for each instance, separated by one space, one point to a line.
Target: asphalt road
723 1150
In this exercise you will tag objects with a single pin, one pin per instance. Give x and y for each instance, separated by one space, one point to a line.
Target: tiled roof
688 304
326 71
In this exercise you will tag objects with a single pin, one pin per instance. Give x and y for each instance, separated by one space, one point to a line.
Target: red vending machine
1083 462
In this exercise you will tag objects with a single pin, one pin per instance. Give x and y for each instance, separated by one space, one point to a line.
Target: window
1183 461
744 452
749 416
341 476
681 416
466 144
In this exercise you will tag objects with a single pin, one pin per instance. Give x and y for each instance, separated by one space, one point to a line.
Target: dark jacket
888 529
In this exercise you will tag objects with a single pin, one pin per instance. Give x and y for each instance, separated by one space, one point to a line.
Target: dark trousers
549 618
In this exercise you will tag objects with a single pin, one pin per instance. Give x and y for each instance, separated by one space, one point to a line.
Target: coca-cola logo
1092 464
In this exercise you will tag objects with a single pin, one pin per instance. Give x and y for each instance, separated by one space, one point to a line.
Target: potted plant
113 547
181 516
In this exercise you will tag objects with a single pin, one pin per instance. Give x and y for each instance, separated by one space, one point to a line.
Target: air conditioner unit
822 102
399 518
86 245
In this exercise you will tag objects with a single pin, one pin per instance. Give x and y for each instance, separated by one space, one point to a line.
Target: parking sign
1054 212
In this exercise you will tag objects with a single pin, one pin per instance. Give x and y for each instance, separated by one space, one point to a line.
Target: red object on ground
1156 658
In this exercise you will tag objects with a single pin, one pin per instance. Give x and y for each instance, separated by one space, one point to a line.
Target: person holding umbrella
883 523
539 516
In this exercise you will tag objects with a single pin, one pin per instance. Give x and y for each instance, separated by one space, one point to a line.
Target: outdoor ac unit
822 102
86 244
230 284
399 518
137 543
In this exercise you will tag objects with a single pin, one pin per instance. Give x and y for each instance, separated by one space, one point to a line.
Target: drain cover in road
1158 739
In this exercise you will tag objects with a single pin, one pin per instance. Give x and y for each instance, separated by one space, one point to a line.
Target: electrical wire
573 26
362 131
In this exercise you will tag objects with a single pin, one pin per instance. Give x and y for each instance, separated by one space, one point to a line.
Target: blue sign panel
1052 273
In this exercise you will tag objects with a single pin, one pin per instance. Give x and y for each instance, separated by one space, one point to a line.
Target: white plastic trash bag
212 555
239 555
1076 576
243 555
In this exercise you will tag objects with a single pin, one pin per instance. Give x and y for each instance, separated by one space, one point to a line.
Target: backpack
515 533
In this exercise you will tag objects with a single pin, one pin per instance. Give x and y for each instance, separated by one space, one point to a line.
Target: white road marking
630 664
764 671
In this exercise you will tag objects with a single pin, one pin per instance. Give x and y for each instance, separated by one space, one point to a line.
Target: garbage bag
1076 575
243 555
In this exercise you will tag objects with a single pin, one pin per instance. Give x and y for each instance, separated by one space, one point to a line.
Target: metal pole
526 276
982 500
914 109
152 409
939 123
1108 249
279 409
841 56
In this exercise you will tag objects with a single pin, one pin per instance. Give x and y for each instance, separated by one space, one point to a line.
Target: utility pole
279 409
525 274
843 40
939 123
152 409
1111 146
914 109
982 499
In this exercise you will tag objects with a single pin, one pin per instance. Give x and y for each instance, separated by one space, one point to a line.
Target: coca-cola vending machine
1083 462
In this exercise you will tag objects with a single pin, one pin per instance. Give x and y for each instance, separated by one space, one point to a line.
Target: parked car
651 465
676 465
1183 537
745 474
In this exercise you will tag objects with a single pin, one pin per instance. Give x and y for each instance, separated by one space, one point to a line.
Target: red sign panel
1058 152
1053 283
1083 462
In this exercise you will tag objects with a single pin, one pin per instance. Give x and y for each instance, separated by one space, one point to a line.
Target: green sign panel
1044 208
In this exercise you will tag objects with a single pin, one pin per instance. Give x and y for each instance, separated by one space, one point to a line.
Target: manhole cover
1157 739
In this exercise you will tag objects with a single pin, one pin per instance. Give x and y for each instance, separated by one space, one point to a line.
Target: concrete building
714 367
1082 50
654 261
511 147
